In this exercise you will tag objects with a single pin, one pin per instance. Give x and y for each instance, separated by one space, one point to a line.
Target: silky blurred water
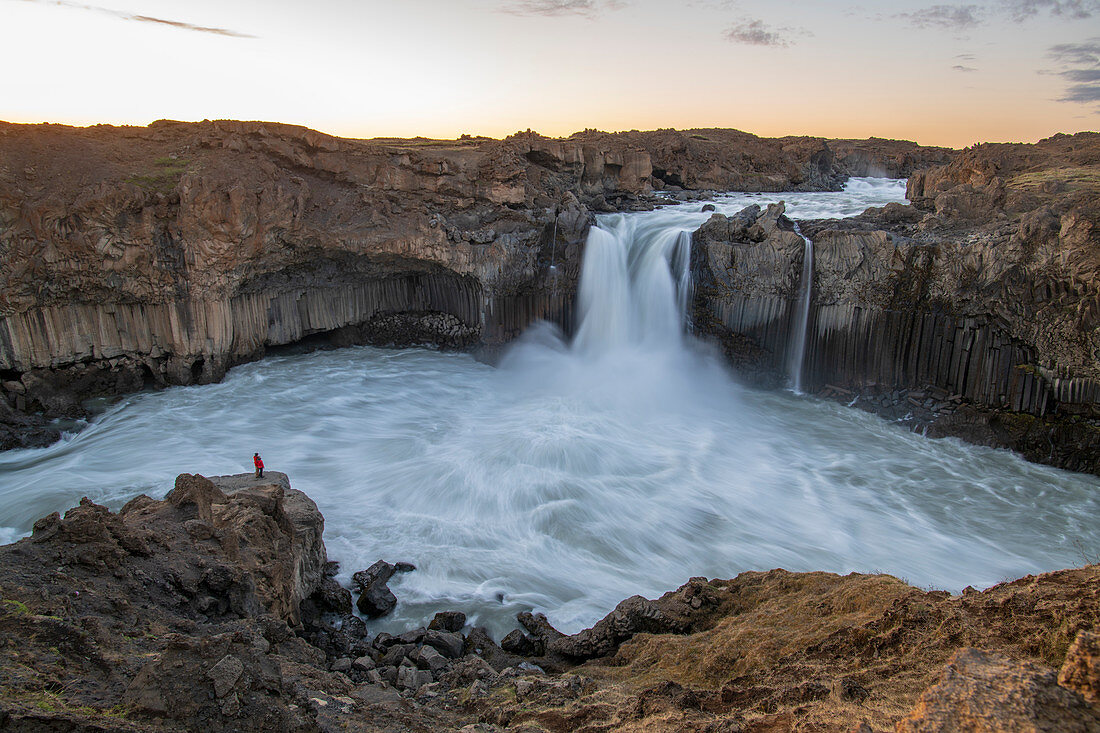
575 475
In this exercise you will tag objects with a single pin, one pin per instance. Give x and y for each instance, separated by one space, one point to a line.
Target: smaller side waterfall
797 349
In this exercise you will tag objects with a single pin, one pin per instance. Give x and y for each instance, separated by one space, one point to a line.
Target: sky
939 74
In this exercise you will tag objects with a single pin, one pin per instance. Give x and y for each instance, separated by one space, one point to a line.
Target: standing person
259 465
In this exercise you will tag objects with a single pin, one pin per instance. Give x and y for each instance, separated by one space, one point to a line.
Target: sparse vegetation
14 608
1085 177
164 177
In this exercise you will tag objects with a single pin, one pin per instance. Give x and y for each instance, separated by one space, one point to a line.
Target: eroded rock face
990 692
136 257
986 292
1081 670
164 608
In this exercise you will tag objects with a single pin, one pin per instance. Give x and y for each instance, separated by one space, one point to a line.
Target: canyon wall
985 289
134 257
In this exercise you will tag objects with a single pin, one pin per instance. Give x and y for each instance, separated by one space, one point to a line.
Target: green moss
53 702
163 178
14 608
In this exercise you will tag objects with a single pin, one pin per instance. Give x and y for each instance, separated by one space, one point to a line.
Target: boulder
448 621
375 597
521 644
447 643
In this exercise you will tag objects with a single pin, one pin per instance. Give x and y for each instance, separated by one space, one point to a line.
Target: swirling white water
573 476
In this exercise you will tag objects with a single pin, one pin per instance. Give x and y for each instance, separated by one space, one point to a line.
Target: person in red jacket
259 465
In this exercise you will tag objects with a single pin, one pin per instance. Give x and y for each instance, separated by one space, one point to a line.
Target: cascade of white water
797 348
635 285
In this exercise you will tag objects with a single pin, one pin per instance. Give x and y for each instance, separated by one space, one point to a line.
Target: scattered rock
517 642
375 597
447 621
450 645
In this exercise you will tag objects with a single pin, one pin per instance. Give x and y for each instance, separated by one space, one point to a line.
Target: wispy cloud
587 8
1080 67
959 16
123 15
1067 9
756 33
960 67
944 16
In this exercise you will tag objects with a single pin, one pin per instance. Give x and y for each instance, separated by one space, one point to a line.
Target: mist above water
577 474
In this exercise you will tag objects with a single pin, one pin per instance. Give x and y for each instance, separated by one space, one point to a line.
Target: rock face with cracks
983 294
135 257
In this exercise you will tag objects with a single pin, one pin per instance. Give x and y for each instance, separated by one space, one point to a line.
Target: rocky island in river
216 609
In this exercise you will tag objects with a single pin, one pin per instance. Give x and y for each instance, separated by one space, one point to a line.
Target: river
576 474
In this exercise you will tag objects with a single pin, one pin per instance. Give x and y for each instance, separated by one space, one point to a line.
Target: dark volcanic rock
375 597
177 609
447 621
964 291
634 615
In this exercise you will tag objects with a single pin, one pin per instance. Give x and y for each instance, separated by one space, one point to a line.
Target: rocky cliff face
984 290
132 257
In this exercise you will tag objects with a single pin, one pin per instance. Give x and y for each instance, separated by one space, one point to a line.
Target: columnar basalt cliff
984 292
164 255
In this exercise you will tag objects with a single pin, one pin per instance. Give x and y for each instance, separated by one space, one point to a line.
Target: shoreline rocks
215 608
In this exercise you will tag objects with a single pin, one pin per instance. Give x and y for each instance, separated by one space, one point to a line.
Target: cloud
959 67
1076 54
944 16
123 15
1075 9
1080 67
1082 75
966 57
587 8
755 33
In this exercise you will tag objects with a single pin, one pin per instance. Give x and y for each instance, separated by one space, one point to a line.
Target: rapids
576 474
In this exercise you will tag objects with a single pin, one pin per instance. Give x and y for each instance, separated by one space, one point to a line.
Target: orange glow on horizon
923 135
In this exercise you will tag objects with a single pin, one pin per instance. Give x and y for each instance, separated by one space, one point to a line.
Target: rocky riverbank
217 608
975 310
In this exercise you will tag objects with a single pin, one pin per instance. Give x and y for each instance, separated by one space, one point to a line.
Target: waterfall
802 316
635 286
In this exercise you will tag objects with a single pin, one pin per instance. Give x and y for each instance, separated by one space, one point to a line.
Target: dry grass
1078 178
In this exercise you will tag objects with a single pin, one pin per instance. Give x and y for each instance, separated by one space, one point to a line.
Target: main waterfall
635 285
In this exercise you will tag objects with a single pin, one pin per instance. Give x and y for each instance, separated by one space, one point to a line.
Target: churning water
575 475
